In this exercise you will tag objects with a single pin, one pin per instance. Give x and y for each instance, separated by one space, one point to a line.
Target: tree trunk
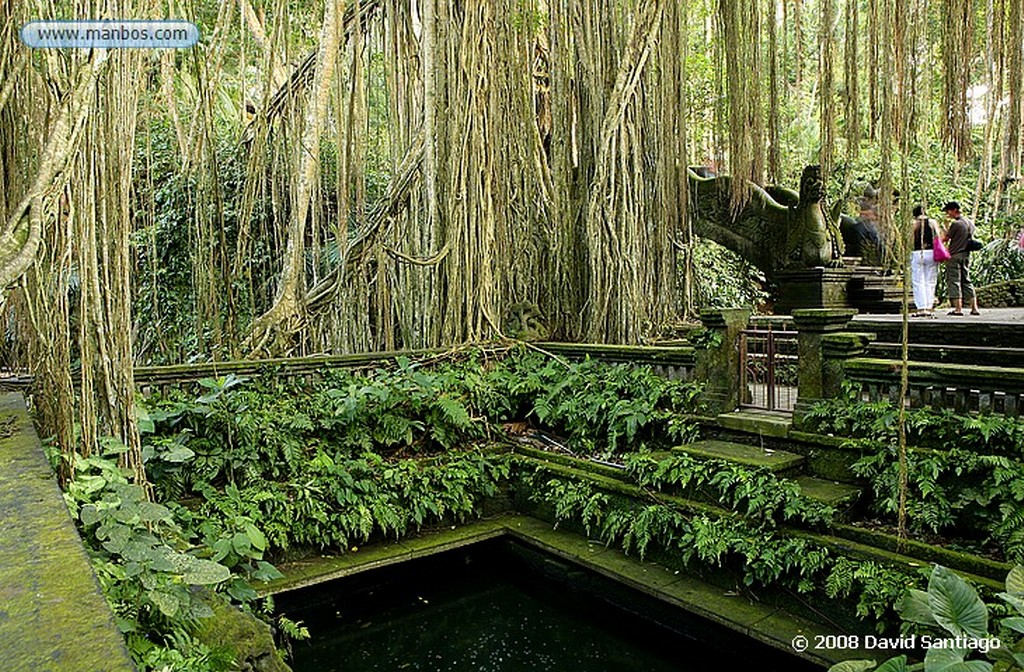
272 331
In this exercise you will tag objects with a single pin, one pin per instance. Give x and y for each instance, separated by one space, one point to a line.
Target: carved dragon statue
776 229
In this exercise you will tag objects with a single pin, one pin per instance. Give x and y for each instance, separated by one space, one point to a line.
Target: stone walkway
988 316
52 614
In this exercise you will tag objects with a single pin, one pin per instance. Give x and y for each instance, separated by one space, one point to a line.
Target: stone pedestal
822 331
813 288
718 357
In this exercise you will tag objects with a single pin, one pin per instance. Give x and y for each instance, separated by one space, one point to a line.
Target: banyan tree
332 176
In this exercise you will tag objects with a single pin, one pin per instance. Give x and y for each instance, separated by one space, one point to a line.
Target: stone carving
524 321
776 229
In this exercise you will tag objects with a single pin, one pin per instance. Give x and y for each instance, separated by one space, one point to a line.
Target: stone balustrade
673 362
963 389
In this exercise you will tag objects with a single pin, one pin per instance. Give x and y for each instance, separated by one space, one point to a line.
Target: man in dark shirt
860 236
958 278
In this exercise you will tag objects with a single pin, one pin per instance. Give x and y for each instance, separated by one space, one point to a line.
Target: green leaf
151 512
853 666
90 484
240 542
201 572
952 660
221 547
89 515
200 609
955 605
454 412
898 664
112 446
241 591
1005 655
1015 580
146 425
266 572
177 453
916 608
162 560
1015 601
1014 623
167 603
256 538
135 551
116 536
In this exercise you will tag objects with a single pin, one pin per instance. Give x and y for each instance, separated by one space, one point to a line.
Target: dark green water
486 612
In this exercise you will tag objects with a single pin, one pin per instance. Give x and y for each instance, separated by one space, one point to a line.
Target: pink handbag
939 251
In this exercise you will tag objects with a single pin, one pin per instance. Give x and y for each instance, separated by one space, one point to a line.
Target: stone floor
988 315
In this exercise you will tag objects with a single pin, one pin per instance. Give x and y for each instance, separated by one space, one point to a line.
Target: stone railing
673 362
842 355
963 389
150 378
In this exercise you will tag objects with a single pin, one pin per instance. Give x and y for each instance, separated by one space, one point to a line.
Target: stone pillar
823 344
718 357
813 288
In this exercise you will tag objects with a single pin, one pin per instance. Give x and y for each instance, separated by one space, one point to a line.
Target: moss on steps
779 462
52 613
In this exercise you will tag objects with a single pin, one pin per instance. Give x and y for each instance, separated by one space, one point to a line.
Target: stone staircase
757 422
782 463
758 439
873 289
779 462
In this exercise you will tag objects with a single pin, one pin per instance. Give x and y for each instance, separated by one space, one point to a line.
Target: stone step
778 461
951 354
833 493
763 423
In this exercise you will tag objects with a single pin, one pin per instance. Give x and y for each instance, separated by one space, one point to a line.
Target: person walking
923 269
958 278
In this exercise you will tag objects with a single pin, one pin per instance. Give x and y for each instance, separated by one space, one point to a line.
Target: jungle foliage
754 549
964 476
951 611
249 471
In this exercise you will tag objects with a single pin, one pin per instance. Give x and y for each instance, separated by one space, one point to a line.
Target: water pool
503 607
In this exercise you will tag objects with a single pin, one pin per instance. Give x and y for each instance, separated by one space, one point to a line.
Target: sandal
955 312
975 312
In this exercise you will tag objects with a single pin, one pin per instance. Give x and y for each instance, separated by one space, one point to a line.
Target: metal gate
768 368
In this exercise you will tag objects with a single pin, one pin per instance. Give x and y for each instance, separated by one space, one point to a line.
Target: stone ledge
780 462
757 423
311 571
52 613
867 369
